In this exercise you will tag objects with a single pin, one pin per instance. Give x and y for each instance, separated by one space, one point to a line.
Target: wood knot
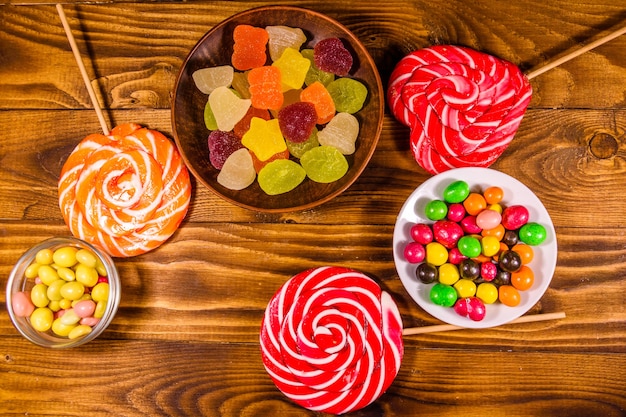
603 146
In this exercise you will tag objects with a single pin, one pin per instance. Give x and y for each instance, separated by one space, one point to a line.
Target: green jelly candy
456 192
315 74
443 295
348 94
324 164
209 117
299 149
280 176
532 234
436 210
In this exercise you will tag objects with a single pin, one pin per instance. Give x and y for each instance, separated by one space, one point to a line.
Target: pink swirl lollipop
127 192
331 340
463 106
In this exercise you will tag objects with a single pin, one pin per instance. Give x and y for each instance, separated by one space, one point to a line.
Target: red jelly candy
331 55
249 48
297 121
221 146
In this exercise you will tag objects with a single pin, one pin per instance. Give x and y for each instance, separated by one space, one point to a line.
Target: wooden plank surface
185 339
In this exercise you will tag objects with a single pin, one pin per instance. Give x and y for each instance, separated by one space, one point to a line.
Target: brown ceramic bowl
215 49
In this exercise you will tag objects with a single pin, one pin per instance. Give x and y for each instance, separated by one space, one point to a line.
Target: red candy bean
514 217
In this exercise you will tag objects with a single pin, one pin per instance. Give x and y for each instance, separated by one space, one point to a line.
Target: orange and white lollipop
331 339
126 192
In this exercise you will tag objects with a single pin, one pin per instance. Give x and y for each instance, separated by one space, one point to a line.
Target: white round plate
543 263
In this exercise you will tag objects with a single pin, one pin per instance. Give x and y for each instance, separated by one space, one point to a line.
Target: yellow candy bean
101 307
61 329
79 331
65 256
69 317
100 292
86 275
102 271
436 254
465 288
39 295
487 292
54 290
41 319
448 274
87 258
32 271
65 303
72 290
47 274
66 274
54 305
44 257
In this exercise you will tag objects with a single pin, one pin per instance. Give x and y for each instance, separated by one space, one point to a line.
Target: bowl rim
16 282
367 156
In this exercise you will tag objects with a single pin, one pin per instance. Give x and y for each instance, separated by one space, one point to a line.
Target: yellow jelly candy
293 69
281 176
264 138
227 108
283 37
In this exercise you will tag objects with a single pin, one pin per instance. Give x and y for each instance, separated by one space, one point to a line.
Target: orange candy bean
525 252
474 204
318 95
523 279
249 48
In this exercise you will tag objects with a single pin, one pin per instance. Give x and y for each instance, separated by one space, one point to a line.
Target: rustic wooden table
185 339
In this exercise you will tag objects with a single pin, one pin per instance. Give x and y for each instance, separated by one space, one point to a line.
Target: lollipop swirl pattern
331 340
463 106
126 192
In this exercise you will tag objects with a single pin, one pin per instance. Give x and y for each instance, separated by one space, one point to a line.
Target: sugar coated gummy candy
297 121
240 84
227 108
266 87
341 132
324 164
221 146
298 149
264 138
238 171
348 94
293 69
208 79
281 176
331 55
318 95
249 50
259 165
283 37
314 73
209 117
243 125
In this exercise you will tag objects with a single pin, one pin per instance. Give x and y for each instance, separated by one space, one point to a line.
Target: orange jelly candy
318 95
266 87
249 50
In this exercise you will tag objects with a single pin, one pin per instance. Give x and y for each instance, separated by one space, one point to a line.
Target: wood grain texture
185 339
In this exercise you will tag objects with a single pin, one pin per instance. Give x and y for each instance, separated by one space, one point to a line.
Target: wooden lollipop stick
576 53
447 327
83 71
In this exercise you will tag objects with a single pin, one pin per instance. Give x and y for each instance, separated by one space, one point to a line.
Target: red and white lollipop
331 340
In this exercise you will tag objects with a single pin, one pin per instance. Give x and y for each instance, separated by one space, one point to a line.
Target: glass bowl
19 282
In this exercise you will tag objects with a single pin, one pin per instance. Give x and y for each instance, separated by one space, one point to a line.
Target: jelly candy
209 117
283 37
297 121
299 149
324 164
238 171
281 176
348 94
314 73
317 94
208 79
243 125
249 48
289 97
221 146
258 164
293 68
266 87
227 108
264 138
331 55
241 85
341 132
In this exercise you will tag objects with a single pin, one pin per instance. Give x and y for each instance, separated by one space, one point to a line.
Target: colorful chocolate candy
331 339
476 251
463 106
